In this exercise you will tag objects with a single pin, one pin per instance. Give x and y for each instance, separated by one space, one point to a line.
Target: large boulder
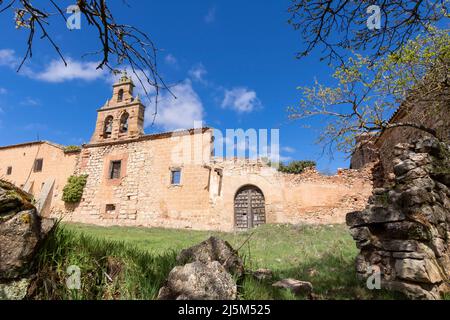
13 200
22 230
199 281
214 249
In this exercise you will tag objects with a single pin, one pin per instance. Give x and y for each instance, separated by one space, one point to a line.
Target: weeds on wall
73 190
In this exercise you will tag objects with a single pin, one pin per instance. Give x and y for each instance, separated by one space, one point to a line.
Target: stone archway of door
249 208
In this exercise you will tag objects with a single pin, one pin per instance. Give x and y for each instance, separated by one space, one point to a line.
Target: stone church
172 179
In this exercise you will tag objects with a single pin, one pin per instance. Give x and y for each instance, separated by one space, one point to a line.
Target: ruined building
172 179
432 110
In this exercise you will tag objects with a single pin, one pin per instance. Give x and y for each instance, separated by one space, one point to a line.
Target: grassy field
140 259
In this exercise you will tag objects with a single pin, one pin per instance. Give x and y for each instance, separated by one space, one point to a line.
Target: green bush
73 190
296 167
69 149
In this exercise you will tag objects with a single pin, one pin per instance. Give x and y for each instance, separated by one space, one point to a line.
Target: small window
9 171
114 170
175 177
38 163
110 208
120 95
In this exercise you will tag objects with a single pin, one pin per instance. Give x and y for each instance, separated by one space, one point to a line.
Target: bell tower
122 116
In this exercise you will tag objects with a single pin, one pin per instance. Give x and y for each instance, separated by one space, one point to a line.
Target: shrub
69 149
73 190
296 167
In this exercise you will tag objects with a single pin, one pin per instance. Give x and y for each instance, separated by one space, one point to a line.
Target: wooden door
249 208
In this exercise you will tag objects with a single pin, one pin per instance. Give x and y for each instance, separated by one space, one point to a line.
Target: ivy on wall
73 190
69 149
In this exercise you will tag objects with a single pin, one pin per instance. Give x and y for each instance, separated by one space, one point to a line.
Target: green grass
323 255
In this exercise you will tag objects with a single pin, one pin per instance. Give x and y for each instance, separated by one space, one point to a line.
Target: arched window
107 131
124 122
120 95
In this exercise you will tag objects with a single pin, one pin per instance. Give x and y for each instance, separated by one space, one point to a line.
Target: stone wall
404 231
143 195
309 197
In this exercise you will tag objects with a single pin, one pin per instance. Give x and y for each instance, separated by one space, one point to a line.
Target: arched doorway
249 208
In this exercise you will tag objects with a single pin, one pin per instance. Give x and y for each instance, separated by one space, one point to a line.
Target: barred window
114 169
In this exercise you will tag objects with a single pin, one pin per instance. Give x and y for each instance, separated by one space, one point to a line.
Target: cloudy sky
232 64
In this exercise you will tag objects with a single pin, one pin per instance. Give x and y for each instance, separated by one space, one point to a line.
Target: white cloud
8 58
30 102
210 17
241 100
288 149
177 113
56 71
198 72
171 60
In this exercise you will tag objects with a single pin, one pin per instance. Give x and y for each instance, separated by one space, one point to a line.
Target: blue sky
234 62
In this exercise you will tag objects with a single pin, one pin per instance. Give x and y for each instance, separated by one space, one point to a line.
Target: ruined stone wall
56 164
309 197
404 231
431 111
315 198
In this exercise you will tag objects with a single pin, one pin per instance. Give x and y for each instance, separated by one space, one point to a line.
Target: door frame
250 215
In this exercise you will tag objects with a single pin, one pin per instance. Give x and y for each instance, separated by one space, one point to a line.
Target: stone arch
249 207
120 95
107 127
124 122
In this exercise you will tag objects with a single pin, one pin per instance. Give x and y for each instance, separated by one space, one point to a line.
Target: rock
199 281
406 230
13 200
411 290
263 274
414 174
409 255
428 145
21 232
419 159
20 237
361 235
425 270
214 249
403 167
415 196
299 288
399 245
14 290
379 191
373 214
